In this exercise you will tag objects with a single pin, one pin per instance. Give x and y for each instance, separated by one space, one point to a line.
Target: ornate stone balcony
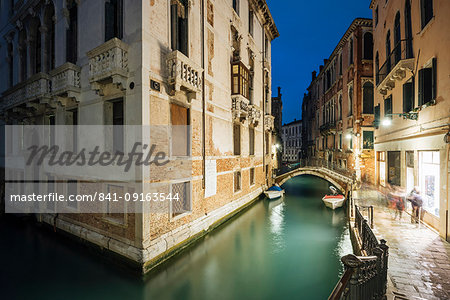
239 108
399 61
183 74
328 128
66 80
269 122
108 63
254 115
36 87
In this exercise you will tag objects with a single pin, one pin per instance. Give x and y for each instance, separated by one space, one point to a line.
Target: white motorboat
333 201
274 192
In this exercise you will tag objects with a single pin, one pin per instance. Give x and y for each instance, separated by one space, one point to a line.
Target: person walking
416 202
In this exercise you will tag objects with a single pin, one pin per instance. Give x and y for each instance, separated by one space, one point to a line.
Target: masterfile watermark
97 169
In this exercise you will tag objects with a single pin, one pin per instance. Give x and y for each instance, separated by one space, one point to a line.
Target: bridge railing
365 276
314 162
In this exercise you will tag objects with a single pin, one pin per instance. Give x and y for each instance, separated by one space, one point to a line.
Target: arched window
10 59
408 30
368 45
179 26
35 46
350 101
23 55
377 67
351 51
49 37
388 51
368 98
397 38
72 33
113 19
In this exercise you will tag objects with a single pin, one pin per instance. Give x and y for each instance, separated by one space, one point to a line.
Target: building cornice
263 9
372 4
358 22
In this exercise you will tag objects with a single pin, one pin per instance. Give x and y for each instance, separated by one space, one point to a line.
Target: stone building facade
277 113
292 141
338 110
205 63
412 101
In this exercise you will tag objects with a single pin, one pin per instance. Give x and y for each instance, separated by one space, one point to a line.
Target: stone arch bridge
344 182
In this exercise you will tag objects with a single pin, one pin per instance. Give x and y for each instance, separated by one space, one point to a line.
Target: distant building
292 141
339 106
277 113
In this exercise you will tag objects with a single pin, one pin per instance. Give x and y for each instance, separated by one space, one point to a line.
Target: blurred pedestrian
416 202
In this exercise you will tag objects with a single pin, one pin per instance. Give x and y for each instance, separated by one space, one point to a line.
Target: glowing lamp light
387 122
348 136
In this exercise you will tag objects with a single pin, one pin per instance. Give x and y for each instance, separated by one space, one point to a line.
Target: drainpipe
264 101
202 14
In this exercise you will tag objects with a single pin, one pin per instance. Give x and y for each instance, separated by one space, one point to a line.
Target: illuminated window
367 139
240 80
429 184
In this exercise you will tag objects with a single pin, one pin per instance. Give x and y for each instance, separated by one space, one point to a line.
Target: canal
274 250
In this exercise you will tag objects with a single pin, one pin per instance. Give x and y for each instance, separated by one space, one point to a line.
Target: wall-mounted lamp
406 116
350 134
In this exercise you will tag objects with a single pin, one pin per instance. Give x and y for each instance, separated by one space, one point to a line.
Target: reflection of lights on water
344 246
277 225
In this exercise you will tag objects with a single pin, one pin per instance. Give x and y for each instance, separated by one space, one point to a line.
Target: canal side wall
161 248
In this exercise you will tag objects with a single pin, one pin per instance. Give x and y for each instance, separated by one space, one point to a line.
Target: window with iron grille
240 80
237 181
182 198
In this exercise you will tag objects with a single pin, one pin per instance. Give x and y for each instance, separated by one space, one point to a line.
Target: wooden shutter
180 134
433 80
421 88
408 96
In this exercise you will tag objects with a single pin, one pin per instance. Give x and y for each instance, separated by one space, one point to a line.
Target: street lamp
406 116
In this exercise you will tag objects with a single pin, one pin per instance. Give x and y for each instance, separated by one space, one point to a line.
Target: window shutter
408 97
421 87
434 80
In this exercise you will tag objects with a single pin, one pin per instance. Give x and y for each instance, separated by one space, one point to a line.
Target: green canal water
274 250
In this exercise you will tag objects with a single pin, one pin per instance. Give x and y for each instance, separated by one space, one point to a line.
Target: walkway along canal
273 250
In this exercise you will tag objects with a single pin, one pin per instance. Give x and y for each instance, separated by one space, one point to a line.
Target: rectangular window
181 202
427 83
408 97
376 121
237 181
236 139
113 19
250 21
409 171
72 191
340 140
179 26
267 144
426 11
240 80
388 107
429 180
251 140
252 176
376 16
236 6
180 141
381 157
367 139
394 168
118 122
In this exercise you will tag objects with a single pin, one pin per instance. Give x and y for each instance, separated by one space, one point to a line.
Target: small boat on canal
333 201
274 192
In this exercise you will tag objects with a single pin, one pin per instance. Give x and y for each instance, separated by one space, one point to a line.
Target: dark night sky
309 32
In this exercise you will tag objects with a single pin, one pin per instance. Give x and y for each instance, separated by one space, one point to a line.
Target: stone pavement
419 260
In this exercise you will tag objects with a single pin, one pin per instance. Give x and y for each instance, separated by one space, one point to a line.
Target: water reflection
274 250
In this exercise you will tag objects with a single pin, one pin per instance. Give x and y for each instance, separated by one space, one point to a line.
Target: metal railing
314 162
365 277
402 50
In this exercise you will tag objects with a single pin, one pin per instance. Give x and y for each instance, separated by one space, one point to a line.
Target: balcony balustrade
36 87
66 80
400 60
108 63
328 128
183 74
239 108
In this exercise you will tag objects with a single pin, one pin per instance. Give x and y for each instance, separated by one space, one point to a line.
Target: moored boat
274 192
333 201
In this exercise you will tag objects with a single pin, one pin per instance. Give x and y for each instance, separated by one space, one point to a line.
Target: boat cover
331 197
274 188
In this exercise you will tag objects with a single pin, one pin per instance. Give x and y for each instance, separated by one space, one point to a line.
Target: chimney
320 68
314 73
325 60
279 92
